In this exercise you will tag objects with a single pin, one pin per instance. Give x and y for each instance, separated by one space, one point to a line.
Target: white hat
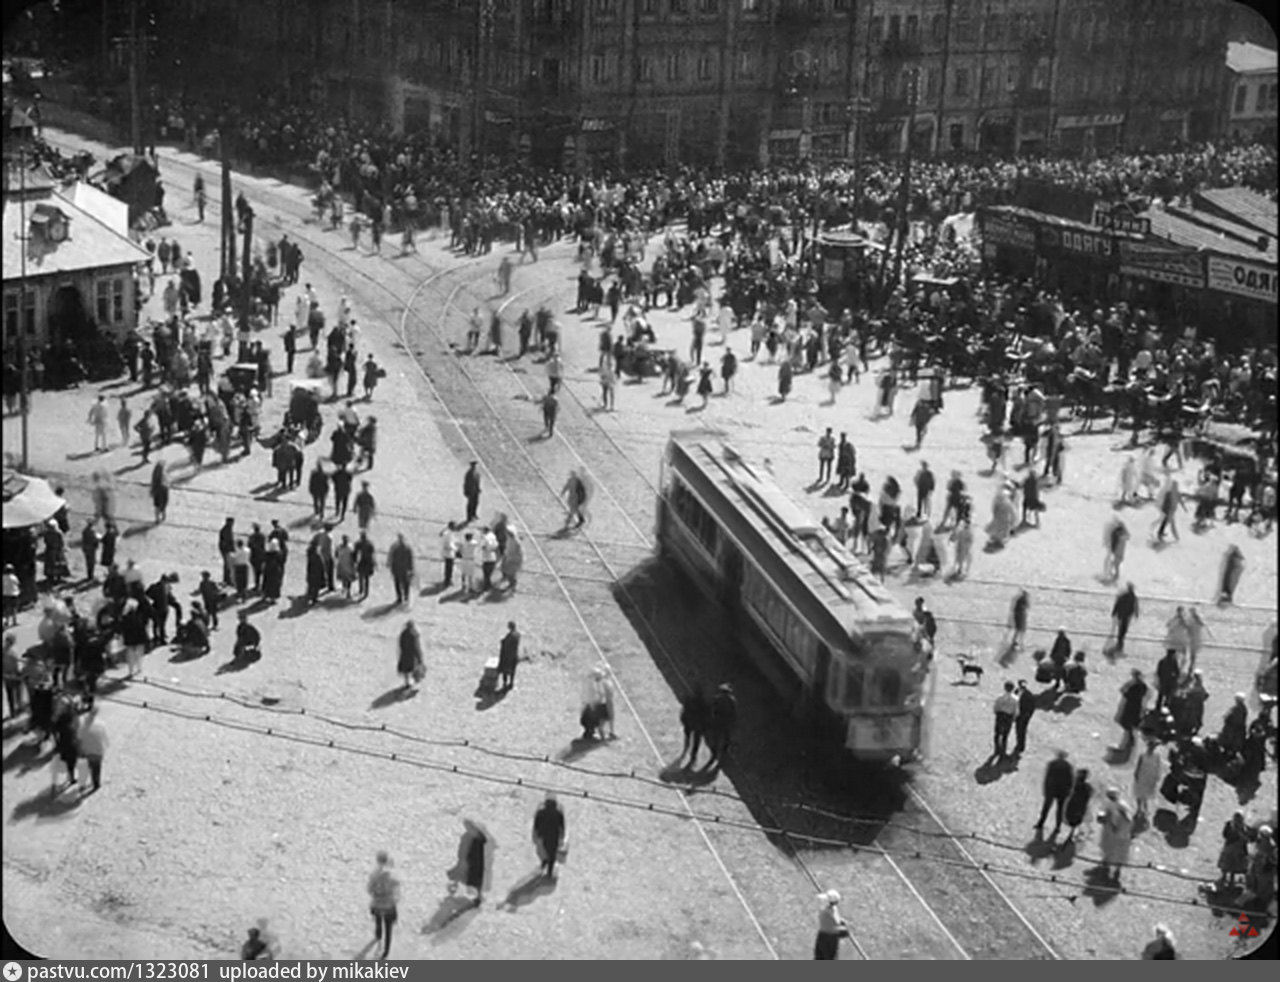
830 897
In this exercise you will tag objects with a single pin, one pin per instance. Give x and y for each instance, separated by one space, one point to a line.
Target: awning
1098 119
28 501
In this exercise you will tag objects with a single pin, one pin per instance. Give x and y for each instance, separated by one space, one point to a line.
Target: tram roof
825 578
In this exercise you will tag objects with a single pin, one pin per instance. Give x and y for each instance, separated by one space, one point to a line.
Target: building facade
1251 90
737 81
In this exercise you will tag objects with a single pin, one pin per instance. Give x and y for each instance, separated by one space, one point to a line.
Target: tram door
731 573
818 695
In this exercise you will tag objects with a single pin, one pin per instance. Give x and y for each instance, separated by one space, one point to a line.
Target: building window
709 6
599 69
606 8
994 28
1271 98
104 302
876 29
966 30
117 300
746 64
750 6
11 304
939 28
957 136
648 8
706 67
644 69
680 7
1010 78
841 6
895 27
913 28
673 68
960 88
1040 75
988 81
931 83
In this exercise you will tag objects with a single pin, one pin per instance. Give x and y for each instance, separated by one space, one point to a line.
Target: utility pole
23 368
863 101
227 267
246 291
904 190
135 108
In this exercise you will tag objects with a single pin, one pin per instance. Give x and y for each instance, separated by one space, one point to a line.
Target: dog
969 666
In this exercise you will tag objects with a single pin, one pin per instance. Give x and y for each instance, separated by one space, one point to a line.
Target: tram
828 636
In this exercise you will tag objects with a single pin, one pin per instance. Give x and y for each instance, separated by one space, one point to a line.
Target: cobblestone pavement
286 826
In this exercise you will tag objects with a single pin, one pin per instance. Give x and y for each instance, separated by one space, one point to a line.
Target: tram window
694 516
886 689
853 686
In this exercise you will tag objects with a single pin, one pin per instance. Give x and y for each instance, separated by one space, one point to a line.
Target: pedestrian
1018 619
1117 835
826 456
89 546
550 410
1133 698
785 373
318 486
410 663
93 744
345 565
365 506
98 419
1163 947
1129 481
1123 612
925 483
597 706
384 897
133 633
248 646
1168 678
1147 773
608 385
146 433
722 720
365 563
241 564
512 558
963 539
1006 710
160 491
66 736
1196 631
124 419
1058 779
1229 576
509 656
1026 709
272 570
14 683
695 718
467 549
488 548
1170 501
550 836
1078 803
211 596
400 562
372 373
448 551
1032 504
1233 858
831 927
474 869
728 369
1260 881
471 491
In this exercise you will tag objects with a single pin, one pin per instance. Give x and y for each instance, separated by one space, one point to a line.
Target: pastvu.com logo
12 971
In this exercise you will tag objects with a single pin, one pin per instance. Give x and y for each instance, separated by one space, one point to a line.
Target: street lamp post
904 191
24 370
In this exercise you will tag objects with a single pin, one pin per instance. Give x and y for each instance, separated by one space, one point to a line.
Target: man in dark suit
1059 776
1026 709
509 656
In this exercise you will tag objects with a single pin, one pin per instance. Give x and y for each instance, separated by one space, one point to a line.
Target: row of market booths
1209 262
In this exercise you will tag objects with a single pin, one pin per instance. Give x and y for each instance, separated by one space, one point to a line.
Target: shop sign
1119 218
1243 278
1007 230
1084 243
594 125
1163 265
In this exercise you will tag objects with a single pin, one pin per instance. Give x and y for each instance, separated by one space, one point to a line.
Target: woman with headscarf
1233 859
1229 577
1162 947
317 573
1002 521
474 869
1117 834
410 661
512 557
1147 772
272 570
831 927
1078 803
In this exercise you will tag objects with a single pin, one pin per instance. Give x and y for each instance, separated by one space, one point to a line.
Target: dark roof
1047 219
1242 205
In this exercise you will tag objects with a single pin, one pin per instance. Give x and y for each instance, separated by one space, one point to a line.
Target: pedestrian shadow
1100 888
1041 848
26 757
488 696
460 595
303 522
130 467
135 530
373 613
455 913
578 748
1177 831
83 456
1065 854
994 768
237 665
434 591
399 693
46 804
186 653
1065 705
527 890
1224 901
297 607
497 595
1116 756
